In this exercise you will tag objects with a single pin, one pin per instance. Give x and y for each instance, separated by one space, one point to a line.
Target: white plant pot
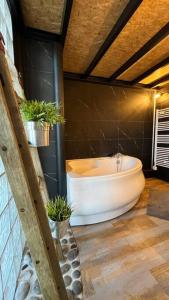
58 229
37 135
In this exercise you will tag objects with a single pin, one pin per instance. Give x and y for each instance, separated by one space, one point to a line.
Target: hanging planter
59 213
39 117
38 136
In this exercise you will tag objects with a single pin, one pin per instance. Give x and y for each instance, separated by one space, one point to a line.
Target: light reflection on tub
97 192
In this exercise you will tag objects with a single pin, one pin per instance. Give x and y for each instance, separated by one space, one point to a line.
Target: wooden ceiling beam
68 9
100 80
158 81
157 38
151 70
117 28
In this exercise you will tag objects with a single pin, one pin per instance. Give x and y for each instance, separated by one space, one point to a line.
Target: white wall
6 27
11 240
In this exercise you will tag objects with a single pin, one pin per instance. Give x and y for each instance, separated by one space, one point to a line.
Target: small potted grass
39 117
59 212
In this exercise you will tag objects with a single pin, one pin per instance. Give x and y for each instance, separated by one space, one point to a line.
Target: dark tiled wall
41 83
103 120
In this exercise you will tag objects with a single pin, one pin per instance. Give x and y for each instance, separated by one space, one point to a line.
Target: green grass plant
41 112
58 209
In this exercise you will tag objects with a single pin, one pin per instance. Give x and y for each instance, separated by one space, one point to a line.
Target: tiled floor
127 258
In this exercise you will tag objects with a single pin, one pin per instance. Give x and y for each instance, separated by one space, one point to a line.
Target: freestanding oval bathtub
101 189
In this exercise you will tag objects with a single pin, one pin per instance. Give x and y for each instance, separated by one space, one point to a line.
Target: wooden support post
23 180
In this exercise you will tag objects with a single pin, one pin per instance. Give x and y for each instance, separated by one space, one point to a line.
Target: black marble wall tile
39 84
148 116
146 161
90 148
38 55
85 105
51 182
147 146
39 61
91 130
148 129
103 120
131 130
132 147
48 157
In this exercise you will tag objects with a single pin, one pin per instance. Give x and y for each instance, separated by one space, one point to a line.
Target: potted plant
59 212
39 117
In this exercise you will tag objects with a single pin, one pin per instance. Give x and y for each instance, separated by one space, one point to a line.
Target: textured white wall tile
9 191
6 261
22 236
6 27
2 7
3 192
18 257
23 240
1 292
12 211
4 228
1 167
10 286
8 20
16 236
3 28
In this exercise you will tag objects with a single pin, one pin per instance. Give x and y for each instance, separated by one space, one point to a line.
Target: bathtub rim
116 175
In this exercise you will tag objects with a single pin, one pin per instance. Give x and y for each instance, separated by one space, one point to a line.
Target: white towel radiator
161 139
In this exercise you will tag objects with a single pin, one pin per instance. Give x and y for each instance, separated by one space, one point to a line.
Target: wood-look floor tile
88 289
163 249
129 283
135 223
158 205
161 274
127 258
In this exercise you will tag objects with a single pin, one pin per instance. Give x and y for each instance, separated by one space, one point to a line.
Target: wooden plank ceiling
151 58
144 24
91 22
45 15
112 40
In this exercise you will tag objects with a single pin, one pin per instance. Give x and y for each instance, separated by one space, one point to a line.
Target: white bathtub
97 192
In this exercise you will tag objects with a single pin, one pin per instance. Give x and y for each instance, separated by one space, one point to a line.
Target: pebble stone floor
28 286
127 258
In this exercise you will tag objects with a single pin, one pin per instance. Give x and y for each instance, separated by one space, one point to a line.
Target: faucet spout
118 157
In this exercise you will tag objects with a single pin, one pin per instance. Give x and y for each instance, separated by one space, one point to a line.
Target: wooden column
59 128
23 180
